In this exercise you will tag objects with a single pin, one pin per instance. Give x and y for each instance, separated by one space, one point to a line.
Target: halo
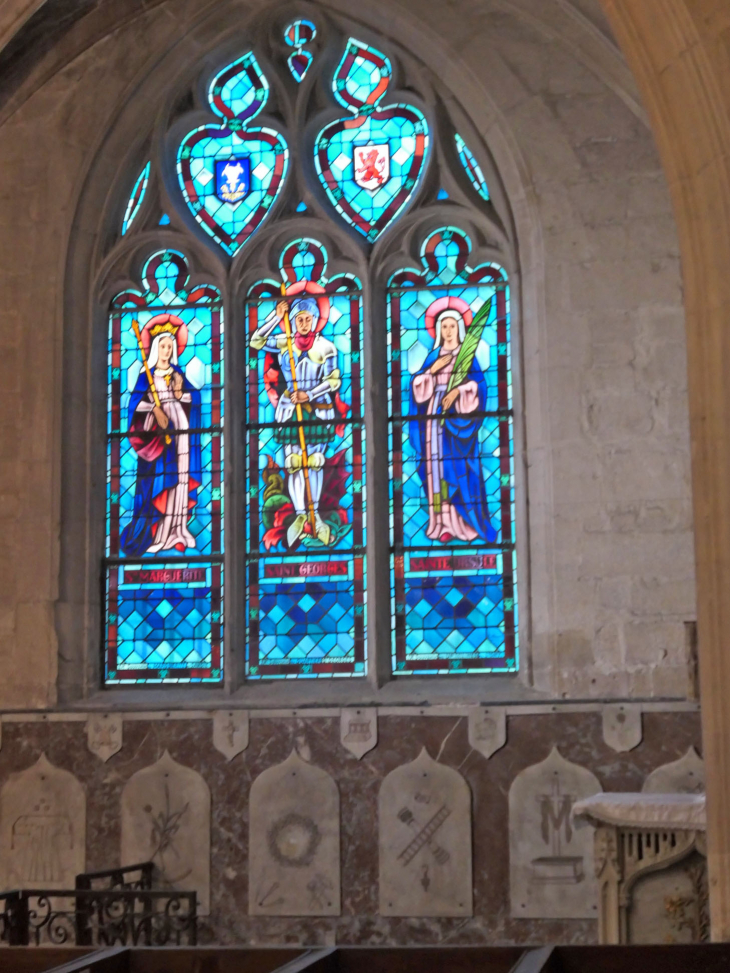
316 291
446 304
181 337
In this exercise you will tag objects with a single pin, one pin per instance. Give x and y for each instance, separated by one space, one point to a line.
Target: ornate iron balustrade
98 917
130 877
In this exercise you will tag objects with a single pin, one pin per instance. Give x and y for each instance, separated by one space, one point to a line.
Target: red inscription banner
457 562
163 575
306 569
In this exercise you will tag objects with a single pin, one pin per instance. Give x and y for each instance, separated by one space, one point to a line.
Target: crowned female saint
163 407
446 438
306 409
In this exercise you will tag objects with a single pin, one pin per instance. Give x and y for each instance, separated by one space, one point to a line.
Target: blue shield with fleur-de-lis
232 179
230 174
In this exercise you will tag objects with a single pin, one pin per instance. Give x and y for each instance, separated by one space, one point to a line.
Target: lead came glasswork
230 175
297 35
135 200
370 164
452 466
472 167
306 510
164 550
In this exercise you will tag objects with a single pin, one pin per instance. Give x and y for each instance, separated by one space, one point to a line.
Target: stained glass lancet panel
164 548
135 200
453 569
306 488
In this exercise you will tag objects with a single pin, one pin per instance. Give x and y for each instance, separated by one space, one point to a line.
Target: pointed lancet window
164 548
452 485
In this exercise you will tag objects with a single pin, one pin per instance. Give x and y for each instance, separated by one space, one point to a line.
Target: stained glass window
307 284
471 167
369 162
298 35
135 200
306 516
454 598
231 173
164 548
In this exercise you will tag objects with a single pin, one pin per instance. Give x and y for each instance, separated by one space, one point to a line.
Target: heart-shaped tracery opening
231 174
370 162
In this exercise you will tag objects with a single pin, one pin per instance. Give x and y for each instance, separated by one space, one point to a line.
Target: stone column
678 52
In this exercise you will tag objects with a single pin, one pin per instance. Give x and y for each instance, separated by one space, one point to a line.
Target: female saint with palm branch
448 397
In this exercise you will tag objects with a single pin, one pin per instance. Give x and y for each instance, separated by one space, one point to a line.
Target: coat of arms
372 166
232 179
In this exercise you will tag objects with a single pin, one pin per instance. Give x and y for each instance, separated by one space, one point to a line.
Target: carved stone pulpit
650 862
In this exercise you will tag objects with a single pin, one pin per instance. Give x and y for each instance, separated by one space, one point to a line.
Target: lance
300 417
151 381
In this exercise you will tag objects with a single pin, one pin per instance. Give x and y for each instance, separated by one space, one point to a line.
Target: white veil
458 317
155 349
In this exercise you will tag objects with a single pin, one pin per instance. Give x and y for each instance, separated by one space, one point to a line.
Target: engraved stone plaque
230 732
551 863
294 841
622 726
359 730
166 820
424 820
487 730
683 776
104 734
42 828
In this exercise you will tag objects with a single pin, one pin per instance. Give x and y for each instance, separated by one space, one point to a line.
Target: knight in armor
313 387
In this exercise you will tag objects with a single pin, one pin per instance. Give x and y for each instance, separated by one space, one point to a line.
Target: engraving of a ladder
424 835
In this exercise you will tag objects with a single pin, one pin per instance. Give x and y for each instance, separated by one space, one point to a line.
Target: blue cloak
461 461
157 465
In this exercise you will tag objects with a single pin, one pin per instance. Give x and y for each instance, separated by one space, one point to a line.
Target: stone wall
608 523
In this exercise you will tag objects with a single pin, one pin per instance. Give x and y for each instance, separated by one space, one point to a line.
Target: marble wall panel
579 736
551 862
294 832
165 814
683 776
424 821
42 828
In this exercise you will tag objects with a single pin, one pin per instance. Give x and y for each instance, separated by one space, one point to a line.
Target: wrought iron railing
127 912
130 877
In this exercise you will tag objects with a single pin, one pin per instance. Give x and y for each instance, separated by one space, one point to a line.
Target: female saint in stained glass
168 466
451 392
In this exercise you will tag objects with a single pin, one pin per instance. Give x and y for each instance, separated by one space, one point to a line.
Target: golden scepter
153 390
300 417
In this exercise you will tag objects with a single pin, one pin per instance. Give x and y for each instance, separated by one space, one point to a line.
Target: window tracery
349 190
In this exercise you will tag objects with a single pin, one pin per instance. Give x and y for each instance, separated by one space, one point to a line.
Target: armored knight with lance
305 412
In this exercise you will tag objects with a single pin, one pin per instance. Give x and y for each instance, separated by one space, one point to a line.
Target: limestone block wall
607 580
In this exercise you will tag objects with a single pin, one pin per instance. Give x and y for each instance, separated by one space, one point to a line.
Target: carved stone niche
683 776
424 819
294 842
551 864
42 828
166 820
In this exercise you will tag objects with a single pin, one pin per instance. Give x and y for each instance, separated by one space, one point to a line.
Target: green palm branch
467 351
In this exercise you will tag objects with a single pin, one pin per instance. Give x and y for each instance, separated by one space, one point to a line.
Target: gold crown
169 327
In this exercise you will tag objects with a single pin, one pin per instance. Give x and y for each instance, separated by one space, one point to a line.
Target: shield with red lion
371 165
